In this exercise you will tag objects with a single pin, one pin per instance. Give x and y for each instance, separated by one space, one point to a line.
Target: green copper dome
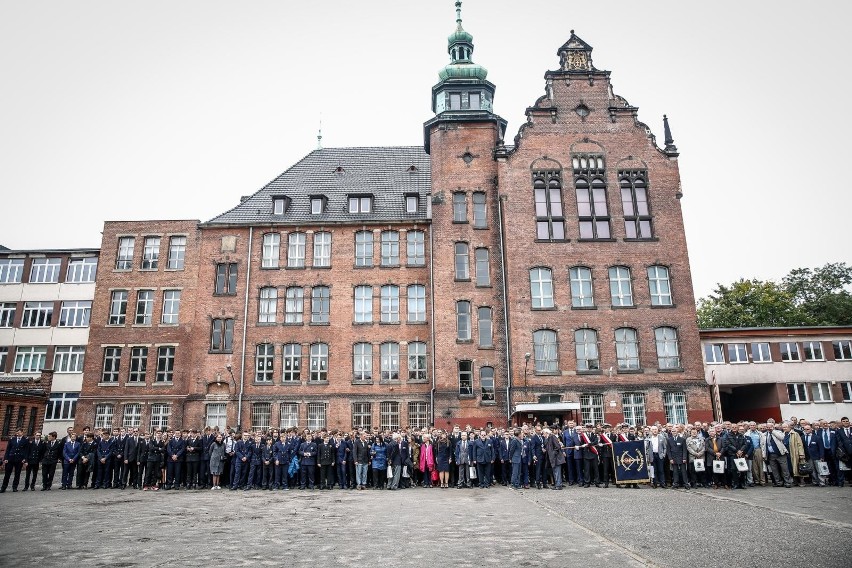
463 71
459 36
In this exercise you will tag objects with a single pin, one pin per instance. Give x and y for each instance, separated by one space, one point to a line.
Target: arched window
322 249
545 351
486 383
462 261
362 362
271 249
592 206
483 270
550 220
586 347
267 305
620 286
296 250
582 293
541 288
668 351
659 286
634 200
264 362
627 349
463 320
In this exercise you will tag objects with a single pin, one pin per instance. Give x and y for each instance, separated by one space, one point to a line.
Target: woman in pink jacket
427 460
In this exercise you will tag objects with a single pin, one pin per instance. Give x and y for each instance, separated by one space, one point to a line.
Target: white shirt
655 444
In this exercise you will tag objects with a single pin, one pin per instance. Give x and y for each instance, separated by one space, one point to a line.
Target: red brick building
470 282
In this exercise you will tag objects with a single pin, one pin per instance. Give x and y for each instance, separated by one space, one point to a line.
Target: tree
749 303
821 293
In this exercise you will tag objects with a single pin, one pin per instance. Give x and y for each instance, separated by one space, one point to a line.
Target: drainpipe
505 314
245 329
432 327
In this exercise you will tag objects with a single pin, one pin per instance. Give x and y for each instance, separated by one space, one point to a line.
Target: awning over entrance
553 407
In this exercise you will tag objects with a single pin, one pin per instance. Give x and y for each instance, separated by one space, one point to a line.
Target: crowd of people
714 455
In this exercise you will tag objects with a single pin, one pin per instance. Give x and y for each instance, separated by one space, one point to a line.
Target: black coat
326 454
677 449
194 448
52 453
131 449
361 451
35 451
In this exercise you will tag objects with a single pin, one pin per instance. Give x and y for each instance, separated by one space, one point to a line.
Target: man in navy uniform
568 441
15 458
35 454
70 456
255 449
118 465
281 459
538 464
175 451
344 453
516 448
52 455
483 456
242 461
194 449
579 462
103 466
308 457
130 460
204 473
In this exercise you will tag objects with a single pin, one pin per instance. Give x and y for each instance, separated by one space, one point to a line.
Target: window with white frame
789 351
362 415
418 414
4 356
668 351
627 349
812 351
81 270
797 392
279 205
144 307
364 248
319 362
390 304
363 304
842 349
462 261
296 250
582 295
361 204
459 208
320 304
390 361
171 307
389 415
160 413
103 415
737 353
75 313
483 267
264 359
659 285
7 314
480 218
177 253
760 353
271 250
411 204
117 307
633 404
132 415
675 407
30 359
362 362
61 406
541 288
11 270
292 362
138 364
37 314
416 303
416 248
486 383
112 364
316 415
267 307
714 353
45 270
124 255
165 364
591 408
68 358
484 317
586 347
545 351
294 305
217 415
821 392
463 321
322 249
261 415
390 248
465 378
620 286
416 361
846 389
151 253
288 416
317 205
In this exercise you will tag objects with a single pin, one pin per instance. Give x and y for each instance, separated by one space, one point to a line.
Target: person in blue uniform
70 457
308 463
14 460
103 466
175 452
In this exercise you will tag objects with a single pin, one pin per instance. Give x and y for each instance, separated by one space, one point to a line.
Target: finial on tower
670 149
319 135
458 14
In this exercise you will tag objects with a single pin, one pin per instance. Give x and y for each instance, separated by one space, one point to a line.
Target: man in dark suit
52 455
393 451
194 451
483 456
538 472
828 443
813 452
88 447
103 466
118 465
576 442
844 448
568 441
175 451
14 460
590 456
308 463
35 453
131 461
515 455
70 457
505 462
204 472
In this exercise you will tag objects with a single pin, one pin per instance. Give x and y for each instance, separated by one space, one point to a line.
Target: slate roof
388 174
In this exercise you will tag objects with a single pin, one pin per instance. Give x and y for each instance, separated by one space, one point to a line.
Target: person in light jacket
695 448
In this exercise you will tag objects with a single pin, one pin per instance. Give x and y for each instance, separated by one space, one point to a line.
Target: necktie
808 440
825 438
715 447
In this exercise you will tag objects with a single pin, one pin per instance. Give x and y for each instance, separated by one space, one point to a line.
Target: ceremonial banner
630 463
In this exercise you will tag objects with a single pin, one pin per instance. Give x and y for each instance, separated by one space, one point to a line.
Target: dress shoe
26 488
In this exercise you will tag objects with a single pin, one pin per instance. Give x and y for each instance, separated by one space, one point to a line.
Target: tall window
103 415
541 288
132 415
545 351
138 364
289 415
390 304
112 364
390 361
675 406
416 249
485 327
362 415
151 253
483 270
319 362
633 404
463 321
549 217
226 279
586 346
668 352
160 414
267 307
294 305
842 349
144 307
171 307
11 270
591 408
620 286
634 200
416 361
67 359
418 414
760 353
296 250
789 351
658 282
459 208
81 270
362 362
271 250
320 304
627 349
390 248
61 406
217 415
462 256
7 314
166 364
222 335
364 248
416 303
363 304
117 307
316 415
37 314
486 383
124 255
292 362
592 209
264 360
177 253
322 249
465 378
480 220
812 351
389 415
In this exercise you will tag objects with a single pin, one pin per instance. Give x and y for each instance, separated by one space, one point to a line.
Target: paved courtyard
430 527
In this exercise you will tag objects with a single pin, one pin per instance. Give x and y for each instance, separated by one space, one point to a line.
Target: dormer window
317 205
360 203
279 205
411 204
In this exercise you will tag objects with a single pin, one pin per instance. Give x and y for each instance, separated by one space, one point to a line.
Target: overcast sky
118 110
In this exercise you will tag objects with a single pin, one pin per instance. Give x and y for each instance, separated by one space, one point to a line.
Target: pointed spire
458 14
319 135
670 149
